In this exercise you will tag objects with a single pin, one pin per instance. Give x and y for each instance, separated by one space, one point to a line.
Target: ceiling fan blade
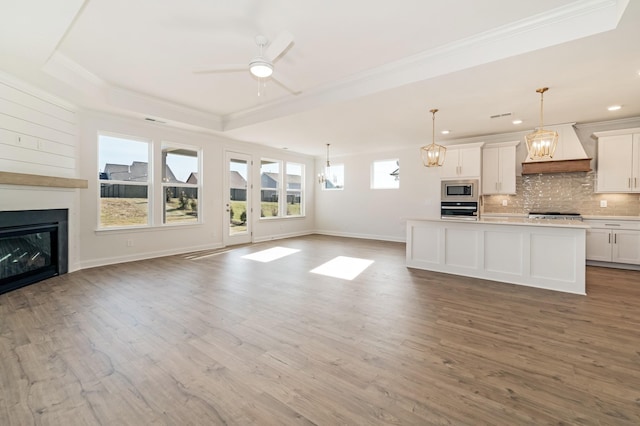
285 85
278 46
221 68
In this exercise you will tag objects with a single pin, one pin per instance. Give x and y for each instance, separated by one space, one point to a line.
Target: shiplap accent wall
38 135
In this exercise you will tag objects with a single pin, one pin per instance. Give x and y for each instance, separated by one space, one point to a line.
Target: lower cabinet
613 245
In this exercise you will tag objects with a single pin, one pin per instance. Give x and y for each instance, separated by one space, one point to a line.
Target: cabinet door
507 183
450 167
615 163
636 163
491 170
626 247
469 162
599 244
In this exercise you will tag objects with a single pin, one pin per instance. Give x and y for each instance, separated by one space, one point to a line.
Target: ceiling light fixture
433 155
517 121
322 177
261 67
614 107
445 132
541 144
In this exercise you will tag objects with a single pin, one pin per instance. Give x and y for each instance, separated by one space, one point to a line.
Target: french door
237 205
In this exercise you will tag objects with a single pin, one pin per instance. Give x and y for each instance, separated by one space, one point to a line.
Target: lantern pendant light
541 144
433 154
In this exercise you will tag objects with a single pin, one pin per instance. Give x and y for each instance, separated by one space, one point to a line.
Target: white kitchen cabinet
499 168
462 161
618 163
610 242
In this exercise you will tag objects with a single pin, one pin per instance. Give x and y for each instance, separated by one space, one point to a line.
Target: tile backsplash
562 192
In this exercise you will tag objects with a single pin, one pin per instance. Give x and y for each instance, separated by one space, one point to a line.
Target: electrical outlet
504 203
129 243
603 203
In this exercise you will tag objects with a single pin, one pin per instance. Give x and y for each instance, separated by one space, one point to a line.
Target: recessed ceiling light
614 107
517 121
445 132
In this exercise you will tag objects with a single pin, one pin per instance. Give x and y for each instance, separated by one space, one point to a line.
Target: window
123 167
180 184
295 188
281 189
385 174
334 177
270 179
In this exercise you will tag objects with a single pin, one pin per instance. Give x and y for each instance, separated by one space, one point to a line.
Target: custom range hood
569 155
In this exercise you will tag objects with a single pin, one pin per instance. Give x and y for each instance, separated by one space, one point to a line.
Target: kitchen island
532 252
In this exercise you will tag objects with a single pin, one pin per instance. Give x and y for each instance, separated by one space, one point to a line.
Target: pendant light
433 155
322 177
541 144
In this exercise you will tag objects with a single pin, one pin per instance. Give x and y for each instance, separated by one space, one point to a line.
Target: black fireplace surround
33 246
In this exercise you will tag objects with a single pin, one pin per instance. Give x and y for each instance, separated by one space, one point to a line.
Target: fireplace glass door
26 253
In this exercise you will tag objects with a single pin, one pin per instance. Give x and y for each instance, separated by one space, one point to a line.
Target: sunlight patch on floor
343 267
271 254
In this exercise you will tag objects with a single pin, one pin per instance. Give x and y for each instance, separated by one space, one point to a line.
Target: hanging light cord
541 91
328 164
433 126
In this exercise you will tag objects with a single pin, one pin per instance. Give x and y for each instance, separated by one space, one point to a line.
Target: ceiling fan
261 65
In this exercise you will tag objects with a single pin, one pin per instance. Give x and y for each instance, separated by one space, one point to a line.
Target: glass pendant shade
541 144
433 154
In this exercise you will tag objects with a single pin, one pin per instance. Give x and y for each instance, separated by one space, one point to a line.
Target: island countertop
543 253
510 220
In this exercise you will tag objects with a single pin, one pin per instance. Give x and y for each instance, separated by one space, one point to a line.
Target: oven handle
458 208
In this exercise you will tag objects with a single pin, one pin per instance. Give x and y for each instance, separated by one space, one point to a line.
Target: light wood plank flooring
217 339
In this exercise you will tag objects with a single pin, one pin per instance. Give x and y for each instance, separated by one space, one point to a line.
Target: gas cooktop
555 215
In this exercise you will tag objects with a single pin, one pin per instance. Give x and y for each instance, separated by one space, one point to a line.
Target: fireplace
33 246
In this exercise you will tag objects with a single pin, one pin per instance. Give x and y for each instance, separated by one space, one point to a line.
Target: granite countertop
519 221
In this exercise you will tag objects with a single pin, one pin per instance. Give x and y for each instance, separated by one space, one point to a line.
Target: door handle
615 238
609 238
629 183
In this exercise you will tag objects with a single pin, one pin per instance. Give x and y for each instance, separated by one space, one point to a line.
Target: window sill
145 228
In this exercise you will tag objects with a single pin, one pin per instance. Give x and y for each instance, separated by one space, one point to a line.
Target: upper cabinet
499 168
618 161
462 161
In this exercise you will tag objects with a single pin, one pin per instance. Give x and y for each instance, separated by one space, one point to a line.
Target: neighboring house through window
125 184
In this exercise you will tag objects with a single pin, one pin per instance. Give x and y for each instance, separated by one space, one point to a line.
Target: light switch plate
504 203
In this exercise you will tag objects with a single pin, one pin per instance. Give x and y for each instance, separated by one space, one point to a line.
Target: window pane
123 205
295 189
385 174
123 160
269 188
180 204
334 176
179 165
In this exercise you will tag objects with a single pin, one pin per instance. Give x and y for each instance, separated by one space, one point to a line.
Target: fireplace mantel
9 178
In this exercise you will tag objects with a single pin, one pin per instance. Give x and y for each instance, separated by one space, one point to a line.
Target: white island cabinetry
535 253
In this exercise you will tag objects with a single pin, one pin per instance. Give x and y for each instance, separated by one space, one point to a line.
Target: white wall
43 135
101 247
359 211
39 135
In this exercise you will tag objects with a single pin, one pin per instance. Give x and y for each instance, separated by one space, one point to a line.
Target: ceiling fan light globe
261 68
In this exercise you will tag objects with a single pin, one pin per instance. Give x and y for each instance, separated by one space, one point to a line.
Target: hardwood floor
214 338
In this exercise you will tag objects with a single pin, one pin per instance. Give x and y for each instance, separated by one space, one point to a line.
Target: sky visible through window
116 150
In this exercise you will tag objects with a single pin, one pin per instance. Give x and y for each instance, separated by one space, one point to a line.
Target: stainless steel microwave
459 190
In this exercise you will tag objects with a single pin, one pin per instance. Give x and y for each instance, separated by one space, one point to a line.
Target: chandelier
541 144
433 155
322 177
